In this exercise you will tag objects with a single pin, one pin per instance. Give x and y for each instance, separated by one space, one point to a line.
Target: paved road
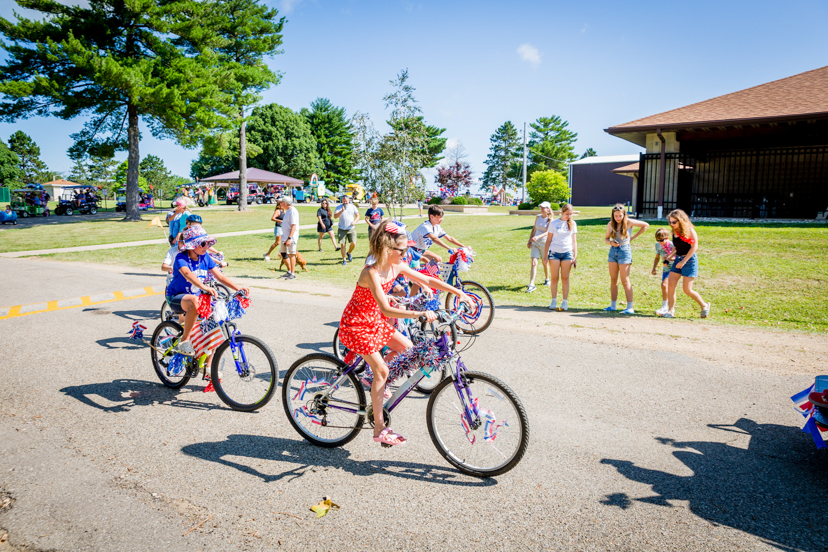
630 450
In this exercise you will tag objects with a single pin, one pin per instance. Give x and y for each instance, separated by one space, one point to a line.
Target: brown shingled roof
795 97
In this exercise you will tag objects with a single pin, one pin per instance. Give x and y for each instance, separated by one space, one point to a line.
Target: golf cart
77 199
29 201
120 201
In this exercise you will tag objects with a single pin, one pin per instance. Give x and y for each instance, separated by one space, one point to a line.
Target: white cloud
529 53
288 5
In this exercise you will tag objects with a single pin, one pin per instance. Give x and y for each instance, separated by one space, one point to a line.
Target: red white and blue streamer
137 331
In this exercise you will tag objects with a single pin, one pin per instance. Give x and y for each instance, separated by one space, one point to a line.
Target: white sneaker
267 258
530 289
662 311
553 305
628 311
185 348
547 282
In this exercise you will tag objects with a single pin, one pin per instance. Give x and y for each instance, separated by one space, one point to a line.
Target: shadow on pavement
775 489
123 394
157 275
308 457
321 346
143 314
124 344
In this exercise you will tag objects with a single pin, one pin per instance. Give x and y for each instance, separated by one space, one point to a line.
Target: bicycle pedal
385 445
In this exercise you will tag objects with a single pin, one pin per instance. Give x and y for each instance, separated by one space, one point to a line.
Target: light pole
523 196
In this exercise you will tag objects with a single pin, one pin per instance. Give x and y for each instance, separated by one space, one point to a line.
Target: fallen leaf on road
324 507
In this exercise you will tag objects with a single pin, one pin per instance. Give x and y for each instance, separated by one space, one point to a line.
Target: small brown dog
300 260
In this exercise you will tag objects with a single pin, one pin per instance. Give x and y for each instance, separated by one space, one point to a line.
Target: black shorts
172 240
174 301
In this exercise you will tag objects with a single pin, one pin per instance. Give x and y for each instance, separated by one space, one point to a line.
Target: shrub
475 201
526 206
548 186
436 200
555 206
459 200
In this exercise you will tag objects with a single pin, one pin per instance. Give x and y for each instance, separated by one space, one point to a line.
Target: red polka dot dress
363 328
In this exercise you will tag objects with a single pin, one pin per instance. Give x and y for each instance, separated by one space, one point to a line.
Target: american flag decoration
816 424
206 336
137 331
395 227
431 269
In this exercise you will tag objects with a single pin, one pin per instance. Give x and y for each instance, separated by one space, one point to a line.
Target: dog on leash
300 260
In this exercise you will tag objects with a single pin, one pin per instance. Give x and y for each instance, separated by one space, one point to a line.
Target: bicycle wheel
163 338
166 312
326 421
340 350
489 444
427 385
224 292
249 383
477 321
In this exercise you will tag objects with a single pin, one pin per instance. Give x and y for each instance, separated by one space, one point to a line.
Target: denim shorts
664 275
277 231
568 256
690 268
621 254
174 301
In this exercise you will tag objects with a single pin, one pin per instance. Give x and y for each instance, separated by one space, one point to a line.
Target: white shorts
289 249
537 249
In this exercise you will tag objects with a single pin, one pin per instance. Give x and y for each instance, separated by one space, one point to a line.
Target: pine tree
10 173
32 169
551 145
118 61
502 158
334 142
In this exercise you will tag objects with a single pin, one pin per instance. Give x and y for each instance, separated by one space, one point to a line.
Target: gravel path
633 448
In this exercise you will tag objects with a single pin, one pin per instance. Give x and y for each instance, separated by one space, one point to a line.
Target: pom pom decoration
205 305
462 258
137 331
236 307
425 355
176 365
816 424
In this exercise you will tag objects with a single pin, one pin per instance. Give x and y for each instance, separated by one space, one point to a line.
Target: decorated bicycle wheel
481 317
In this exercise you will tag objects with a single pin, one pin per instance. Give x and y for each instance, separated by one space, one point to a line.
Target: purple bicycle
475 421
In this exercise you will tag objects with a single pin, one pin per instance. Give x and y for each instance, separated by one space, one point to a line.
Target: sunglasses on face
402 250
673 222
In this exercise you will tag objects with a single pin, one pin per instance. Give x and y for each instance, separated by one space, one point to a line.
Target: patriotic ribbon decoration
236 307
816 422
300 394
176 365
205 305
137 331
462 258
425 356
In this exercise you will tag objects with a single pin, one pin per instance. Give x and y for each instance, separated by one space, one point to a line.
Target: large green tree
287 144
433 143
209 164
504 152
250 32
334 142
157 175
551 145
10 173
31 167
118 62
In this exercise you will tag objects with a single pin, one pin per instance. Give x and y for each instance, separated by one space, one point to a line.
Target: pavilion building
758 153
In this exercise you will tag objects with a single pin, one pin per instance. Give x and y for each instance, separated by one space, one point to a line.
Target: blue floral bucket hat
196 236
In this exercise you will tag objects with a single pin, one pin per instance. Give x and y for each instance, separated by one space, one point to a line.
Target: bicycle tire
267 374
340 350
160 342
428 385
443 409
473 324
224 292
319 369
166 312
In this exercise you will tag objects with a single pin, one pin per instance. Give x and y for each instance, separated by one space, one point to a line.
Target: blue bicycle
244 371
475 421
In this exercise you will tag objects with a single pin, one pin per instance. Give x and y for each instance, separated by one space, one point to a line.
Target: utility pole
523 197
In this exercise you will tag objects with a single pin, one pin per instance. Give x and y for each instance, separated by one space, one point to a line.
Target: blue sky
477 64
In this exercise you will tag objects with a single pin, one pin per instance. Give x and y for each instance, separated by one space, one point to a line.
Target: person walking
176 218
537 248
373 216
348 215
664 253
686 263
561 253
290 233
324 224
620 254
277 218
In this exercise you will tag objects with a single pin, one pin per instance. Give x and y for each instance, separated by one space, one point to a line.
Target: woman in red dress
364 327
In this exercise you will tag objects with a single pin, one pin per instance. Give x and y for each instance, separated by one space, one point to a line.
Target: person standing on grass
686 263
324 224
561 251
290 233
537 247
373 216
664 253
277 219
620 254
348 216
177 218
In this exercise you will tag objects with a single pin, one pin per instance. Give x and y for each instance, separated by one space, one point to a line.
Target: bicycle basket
445 270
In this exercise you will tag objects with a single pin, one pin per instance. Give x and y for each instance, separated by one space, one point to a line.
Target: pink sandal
388 438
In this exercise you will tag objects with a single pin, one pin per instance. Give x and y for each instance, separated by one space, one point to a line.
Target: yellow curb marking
51 306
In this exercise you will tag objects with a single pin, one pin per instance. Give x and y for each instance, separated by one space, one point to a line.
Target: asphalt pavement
630 449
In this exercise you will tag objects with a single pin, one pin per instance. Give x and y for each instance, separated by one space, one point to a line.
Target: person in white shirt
430 232
290 235
348 215
561 252
537 249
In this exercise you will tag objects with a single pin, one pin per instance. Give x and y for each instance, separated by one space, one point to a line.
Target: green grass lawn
115 230
767 275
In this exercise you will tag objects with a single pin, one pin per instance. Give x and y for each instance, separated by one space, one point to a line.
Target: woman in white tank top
537 248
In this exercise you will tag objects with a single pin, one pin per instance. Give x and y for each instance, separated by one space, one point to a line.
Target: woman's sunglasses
673 222
402 250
